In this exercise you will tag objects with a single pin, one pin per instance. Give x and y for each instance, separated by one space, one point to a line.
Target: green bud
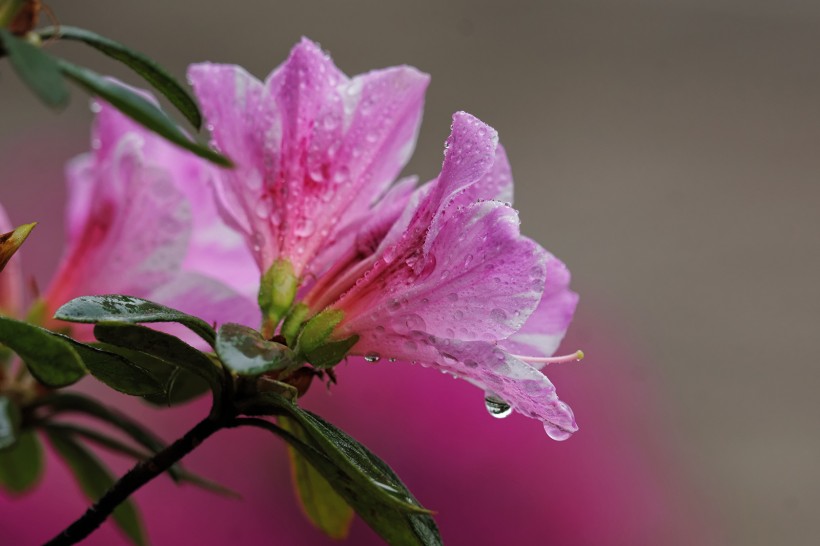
276 294
11 241
318 329
331 353
293 322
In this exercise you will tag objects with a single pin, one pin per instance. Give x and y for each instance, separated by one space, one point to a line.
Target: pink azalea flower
315 153
456 287
11 282
132 228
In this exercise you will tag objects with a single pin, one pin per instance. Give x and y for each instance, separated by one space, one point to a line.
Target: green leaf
179 385
11 241
139 109
245 352
9 422
320 502
22 464
53 361
364 481
39 70
129 310
152 72
318 329
331 353
95 479
163 346
116 371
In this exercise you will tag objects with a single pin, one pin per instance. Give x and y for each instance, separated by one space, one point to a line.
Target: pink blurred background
664 150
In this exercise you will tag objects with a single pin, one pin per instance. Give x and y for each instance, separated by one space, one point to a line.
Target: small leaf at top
129 310
139 109
95 479
320 502
22 464
152 72
245 352
9 422
11 241
53 361
39 70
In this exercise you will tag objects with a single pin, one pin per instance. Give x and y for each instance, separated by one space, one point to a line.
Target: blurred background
665 150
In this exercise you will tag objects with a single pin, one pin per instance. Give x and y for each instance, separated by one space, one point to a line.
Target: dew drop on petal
498 315
497 407
372 357
556 433
415 322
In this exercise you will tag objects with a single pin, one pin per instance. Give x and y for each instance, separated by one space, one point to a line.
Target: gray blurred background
667 151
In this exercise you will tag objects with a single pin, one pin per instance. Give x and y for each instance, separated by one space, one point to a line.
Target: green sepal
246 352
10 242
116 371
21 465
332 352
318 329
130 310
8 11
150 71
10 419
165 347
95 479
323 506
53 361
293 323
38 70
276 293
139 109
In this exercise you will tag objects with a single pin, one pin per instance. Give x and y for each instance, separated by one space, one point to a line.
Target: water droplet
391 359
393 305
498 315
415 322
341 175
452 296
305 228
471 364
372 357
556 433
497 407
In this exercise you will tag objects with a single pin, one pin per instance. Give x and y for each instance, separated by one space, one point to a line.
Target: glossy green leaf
11 241
22 464
9 422
39 70
139 109
320 502
95 479
364 481
178 385
246 352
129 310
152 72
117 371
163 346
53 361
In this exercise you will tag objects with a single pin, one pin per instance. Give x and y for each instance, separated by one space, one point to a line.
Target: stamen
574 357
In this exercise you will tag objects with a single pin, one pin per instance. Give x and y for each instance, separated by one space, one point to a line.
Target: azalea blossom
315 153
140 222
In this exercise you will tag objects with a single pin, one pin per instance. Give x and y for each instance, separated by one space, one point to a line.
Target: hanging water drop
556 433
372 357
497 407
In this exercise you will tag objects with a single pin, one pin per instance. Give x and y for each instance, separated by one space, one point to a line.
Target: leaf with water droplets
129 310
246 352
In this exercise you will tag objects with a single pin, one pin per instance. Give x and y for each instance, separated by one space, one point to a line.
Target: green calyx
314 342
11 241
276 294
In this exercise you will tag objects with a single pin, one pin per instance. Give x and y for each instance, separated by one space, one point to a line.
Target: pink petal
496 184
524 388
542 333
314 149
11 278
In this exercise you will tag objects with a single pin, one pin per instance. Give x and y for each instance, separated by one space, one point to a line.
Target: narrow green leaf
53 361
9 422
164 346
364 481
139 109
39 70
246 352
178 385
129 310
11 241
95 479
152 72
22 464
117 371
320 502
